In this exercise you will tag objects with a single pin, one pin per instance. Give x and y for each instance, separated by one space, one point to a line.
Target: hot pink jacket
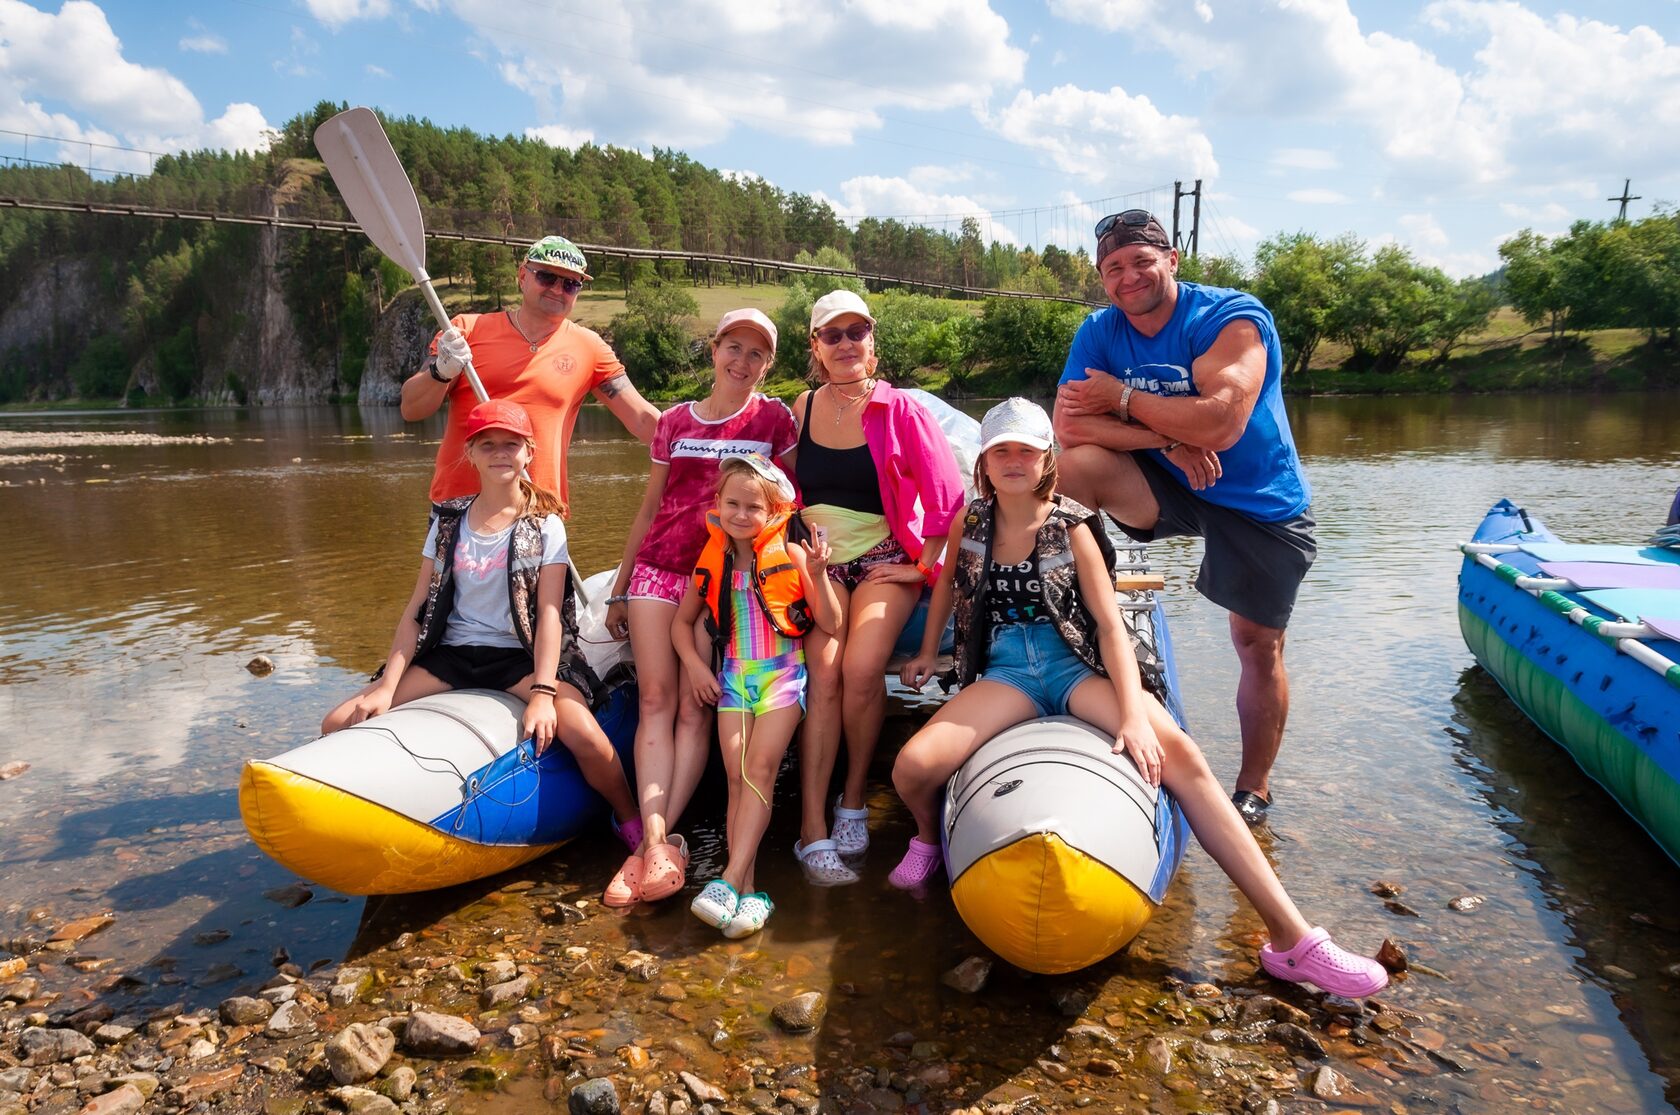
921 486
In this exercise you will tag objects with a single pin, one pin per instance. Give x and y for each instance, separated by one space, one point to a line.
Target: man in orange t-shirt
534 356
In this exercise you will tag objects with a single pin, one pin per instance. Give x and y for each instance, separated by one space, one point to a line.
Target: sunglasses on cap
1132 218
549 278
857 331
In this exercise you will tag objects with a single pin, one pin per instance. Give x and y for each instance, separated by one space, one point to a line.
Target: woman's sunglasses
1132 218
854 332
549 278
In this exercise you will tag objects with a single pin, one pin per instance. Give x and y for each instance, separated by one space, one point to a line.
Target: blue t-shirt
1262 475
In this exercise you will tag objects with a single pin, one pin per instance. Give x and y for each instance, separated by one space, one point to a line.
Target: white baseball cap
1017 420
837 303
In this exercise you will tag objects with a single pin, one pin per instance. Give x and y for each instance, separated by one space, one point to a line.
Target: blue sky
1445 126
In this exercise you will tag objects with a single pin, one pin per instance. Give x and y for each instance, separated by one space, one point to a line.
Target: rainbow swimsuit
763 669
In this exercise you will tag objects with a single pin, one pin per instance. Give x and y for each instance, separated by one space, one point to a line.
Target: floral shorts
649 582
885 552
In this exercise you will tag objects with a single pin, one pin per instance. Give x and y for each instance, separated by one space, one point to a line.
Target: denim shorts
1035 659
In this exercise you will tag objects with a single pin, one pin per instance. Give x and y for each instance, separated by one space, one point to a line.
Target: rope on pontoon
1549 591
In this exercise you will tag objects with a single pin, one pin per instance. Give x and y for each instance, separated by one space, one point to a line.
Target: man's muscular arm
422 395
1228 377
620 396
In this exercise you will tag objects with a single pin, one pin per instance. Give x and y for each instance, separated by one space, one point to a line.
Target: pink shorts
649 582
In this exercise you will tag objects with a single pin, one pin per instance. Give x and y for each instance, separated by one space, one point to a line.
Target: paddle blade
374 185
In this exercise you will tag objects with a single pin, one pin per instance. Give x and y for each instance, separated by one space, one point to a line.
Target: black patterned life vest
1058 577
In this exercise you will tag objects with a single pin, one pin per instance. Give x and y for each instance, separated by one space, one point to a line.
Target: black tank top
839 477
1014 593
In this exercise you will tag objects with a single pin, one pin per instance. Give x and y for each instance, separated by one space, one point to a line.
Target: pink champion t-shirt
692 447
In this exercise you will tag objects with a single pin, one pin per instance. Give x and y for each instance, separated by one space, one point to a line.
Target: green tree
1534 281
651 336
1303 281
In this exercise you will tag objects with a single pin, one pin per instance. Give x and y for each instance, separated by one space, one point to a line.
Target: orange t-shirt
550 384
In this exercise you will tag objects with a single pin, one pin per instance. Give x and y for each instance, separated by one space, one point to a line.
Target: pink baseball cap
748 318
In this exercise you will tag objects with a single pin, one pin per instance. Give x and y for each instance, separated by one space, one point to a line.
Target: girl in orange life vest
492 609
1041 634
761 593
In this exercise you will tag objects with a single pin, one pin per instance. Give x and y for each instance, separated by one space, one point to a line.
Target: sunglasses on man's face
549 278
1132 218
854 332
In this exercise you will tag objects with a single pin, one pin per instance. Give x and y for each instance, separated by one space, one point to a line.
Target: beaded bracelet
611 600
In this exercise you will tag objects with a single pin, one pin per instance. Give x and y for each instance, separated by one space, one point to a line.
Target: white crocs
851 829
755 909
821 862
716 903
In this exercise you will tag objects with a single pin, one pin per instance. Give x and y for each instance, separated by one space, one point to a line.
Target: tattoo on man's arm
612 388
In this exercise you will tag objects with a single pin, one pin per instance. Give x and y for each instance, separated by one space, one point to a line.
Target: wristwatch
431 366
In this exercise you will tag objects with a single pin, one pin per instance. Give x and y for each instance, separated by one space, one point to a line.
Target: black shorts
477 667
1251 568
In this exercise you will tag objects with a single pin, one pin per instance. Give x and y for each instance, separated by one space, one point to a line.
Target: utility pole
1195 216
1621 215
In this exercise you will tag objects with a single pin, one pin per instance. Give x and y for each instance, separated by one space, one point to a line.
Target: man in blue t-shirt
1170 415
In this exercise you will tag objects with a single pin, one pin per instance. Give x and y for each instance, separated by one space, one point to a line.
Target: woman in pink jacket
879 481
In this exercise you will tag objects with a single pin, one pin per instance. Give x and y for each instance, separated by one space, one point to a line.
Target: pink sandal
630 832
664 869
1318 960
921 860
626 886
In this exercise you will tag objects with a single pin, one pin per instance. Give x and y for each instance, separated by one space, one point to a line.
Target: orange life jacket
775 580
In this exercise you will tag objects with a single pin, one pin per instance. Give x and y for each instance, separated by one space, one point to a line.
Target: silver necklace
851 400
513 316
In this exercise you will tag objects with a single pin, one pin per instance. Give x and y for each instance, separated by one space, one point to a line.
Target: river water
145 576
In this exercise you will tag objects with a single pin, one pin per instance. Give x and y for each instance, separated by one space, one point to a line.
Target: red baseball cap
499 414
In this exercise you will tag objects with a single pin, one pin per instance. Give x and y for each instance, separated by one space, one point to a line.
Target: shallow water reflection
145 577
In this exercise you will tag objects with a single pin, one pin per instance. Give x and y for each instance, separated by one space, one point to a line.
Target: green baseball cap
557 251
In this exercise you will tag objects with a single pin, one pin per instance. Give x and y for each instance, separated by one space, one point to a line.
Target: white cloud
556 136
1549 213
1106 136
875 196
932 176
1544 100
295 62
1305 158
686 73
336 13
1423 231
1317 196
65 75
376 71
204 43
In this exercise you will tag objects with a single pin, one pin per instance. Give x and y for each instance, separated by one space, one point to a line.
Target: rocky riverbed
533 996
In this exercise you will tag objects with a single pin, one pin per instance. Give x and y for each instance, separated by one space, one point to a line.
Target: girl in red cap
494 608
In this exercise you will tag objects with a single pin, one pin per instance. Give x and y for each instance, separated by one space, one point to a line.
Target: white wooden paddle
380 197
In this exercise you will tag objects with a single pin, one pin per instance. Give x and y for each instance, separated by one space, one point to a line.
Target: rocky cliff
250 349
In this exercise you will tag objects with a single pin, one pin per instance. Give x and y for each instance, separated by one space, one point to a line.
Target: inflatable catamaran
1586 640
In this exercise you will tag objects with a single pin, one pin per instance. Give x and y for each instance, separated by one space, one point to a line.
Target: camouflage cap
557 251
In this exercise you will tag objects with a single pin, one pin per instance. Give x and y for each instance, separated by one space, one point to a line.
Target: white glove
453 353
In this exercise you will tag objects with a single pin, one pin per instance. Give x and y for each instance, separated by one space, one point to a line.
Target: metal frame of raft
1623 636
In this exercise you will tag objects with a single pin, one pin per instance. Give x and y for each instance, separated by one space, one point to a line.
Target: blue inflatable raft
1585 640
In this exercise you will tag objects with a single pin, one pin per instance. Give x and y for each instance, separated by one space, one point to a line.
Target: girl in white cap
664 540
1038 633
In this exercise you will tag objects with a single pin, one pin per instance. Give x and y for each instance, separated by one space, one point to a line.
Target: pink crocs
1318 960
920 862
